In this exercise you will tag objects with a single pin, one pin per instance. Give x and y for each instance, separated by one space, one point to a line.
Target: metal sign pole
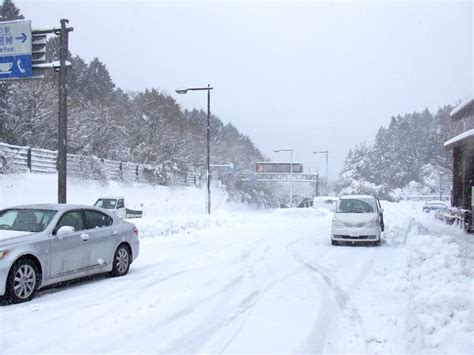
62 134
209 149
291 177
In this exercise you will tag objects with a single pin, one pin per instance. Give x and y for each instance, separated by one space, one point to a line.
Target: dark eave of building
463 110
461 139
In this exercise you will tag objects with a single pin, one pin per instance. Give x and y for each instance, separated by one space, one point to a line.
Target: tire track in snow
344 304
218 320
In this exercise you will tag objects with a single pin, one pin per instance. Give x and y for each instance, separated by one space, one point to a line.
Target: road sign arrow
22 38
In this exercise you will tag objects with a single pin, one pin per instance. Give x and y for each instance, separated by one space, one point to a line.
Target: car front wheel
22 281
122 260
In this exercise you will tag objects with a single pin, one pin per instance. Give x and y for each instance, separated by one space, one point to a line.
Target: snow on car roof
436 203
357 196
49 206
324 198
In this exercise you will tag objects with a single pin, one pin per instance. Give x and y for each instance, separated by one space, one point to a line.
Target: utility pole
62 134
327 181
440 186
316 183
291 171
208 148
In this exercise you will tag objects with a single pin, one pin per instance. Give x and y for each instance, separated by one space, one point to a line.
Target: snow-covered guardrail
426 198
22 159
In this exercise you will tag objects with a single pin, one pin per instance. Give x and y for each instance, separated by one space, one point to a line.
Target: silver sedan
45 244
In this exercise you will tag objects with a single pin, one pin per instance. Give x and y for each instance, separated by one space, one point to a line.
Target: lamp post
327 153
208 89
440 185
291 171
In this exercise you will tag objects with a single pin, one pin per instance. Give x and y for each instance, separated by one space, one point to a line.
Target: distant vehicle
358 218
45 244
305 203
434 206
327 202
117 204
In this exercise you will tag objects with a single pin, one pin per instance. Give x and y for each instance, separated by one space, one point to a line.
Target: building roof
460 139
464 109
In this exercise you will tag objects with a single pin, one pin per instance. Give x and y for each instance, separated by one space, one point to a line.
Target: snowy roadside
439 277
165 226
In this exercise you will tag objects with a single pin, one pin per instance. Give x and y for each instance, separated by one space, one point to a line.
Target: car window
355 206
71 219
107 203
28 220
95 219
120 204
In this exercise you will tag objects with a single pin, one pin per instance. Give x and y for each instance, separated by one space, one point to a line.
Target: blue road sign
18 66
15 49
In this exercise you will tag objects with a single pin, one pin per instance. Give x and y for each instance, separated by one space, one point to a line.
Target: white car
358 219
325 202
117 204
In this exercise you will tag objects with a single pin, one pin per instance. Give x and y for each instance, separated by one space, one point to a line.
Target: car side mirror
65 230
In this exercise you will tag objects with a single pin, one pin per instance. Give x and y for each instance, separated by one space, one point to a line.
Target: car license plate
354 233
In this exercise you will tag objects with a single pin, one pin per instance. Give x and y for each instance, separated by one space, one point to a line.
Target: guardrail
446 197
20 159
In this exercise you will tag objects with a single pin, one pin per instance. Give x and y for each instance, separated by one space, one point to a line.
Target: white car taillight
135 230
3 253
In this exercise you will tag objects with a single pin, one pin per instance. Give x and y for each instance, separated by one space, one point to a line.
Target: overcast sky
302 75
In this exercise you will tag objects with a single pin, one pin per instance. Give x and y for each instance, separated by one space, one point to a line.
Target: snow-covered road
252 282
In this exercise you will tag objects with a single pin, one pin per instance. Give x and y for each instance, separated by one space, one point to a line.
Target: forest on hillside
407 157
147 127
150 127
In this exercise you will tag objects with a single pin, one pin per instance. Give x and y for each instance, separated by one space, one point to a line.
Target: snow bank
155 201
440 278
150 227
441 295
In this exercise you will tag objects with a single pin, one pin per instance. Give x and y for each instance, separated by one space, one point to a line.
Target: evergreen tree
9 11
99 84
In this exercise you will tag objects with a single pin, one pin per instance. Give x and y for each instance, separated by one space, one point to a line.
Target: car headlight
337 223
372 223
3 253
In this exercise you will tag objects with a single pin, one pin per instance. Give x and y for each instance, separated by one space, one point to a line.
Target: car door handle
84 236
114 233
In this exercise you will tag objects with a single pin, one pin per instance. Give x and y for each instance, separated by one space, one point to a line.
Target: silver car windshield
355 206
25 220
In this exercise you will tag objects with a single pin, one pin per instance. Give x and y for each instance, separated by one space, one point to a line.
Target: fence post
28 159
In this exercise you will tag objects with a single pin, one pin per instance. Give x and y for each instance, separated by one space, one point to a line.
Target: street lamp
291 171
327 181
441 185
208 89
